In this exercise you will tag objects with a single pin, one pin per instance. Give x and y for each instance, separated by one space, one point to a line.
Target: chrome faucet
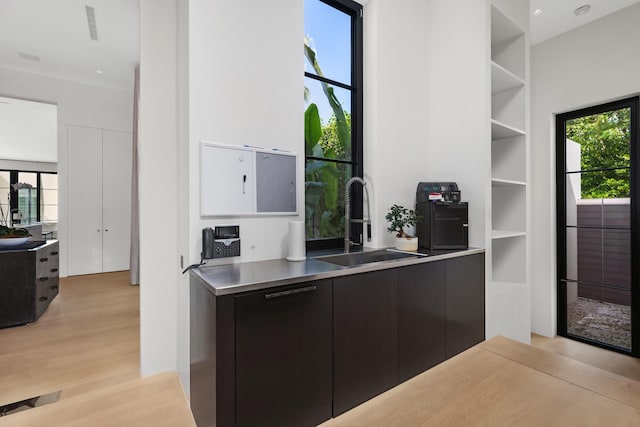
347 212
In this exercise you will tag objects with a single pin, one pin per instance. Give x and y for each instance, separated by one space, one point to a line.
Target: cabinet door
421 318
84 177
283 356
365 333
116 200
464 302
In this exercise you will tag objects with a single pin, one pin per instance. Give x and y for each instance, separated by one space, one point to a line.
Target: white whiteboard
238 180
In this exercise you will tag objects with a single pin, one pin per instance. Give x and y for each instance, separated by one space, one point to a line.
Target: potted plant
398 218
10 236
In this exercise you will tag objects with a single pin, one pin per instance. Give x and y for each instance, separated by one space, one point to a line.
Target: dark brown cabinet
297 355
283 356
465 303
28 282
421 318
365 337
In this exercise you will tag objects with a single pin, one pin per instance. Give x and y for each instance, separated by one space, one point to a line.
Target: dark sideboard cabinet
28 282
299 354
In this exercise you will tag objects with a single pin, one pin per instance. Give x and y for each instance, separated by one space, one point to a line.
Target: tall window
333 118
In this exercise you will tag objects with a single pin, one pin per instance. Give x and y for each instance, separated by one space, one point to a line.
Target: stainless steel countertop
249 276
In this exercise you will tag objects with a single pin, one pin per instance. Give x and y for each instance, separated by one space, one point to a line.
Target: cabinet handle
54 287
54 253
43 299
44 259
290 292
43 279
53 270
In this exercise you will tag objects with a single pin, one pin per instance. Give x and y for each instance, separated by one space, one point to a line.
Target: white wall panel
85 200
116 200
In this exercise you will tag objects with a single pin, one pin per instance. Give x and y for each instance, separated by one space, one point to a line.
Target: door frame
634 104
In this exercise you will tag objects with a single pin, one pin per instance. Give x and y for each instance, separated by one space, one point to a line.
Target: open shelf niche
508 310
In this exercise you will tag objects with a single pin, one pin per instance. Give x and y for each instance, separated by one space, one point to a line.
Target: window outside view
327 95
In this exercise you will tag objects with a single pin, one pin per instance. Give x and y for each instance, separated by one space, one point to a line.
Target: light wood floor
87 345
501 382
611 361
88 338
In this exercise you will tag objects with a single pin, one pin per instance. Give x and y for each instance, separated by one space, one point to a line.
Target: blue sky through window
330 32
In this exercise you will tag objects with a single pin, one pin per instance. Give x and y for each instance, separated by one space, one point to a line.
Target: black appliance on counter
445 219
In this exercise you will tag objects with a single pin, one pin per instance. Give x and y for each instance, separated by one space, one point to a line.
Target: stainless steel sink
359 258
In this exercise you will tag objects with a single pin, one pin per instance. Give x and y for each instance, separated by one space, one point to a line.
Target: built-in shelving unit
508 289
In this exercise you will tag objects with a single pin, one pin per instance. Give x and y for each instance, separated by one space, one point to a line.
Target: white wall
78 104
184 185
158 185
395 107
246 85
590 65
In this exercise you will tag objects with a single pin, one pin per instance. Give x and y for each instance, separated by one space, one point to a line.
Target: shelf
509 159
502 28
500 130
509 257
499 181
506 234
503 79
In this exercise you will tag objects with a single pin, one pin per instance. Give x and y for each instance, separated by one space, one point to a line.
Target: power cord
192 266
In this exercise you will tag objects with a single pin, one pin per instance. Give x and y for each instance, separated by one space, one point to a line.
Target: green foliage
330 140
604 143
400 217
324 180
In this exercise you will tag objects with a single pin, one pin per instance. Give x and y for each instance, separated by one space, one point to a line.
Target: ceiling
558 16
57 32
53 38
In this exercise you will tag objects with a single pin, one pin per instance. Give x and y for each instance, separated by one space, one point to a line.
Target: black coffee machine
445 219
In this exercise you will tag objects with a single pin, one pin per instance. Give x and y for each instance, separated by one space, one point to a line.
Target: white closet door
84 181
116 199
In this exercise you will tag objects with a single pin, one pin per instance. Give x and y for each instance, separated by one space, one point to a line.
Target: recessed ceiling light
537 12
99 71
582 10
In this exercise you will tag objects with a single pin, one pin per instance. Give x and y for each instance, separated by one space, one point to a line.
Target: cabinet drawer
47 261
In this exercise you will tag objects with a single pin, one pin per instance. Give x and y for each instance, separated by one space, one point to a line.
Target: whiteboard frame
204 145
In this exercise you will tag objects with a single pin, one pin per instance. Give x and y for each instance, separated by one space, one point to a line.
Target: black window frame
13 198
354 10
633 103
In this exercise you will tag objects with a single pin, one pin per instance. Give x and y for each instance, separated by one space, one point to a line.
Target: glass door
597 224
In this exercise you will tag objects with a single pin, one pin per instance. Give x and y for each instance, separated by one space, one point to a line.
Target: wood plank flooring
155 401
87 345
88 337
504 383
611 361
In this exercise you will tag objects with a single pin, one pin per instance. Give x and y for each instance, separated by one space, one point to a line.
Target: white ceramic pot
407 244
